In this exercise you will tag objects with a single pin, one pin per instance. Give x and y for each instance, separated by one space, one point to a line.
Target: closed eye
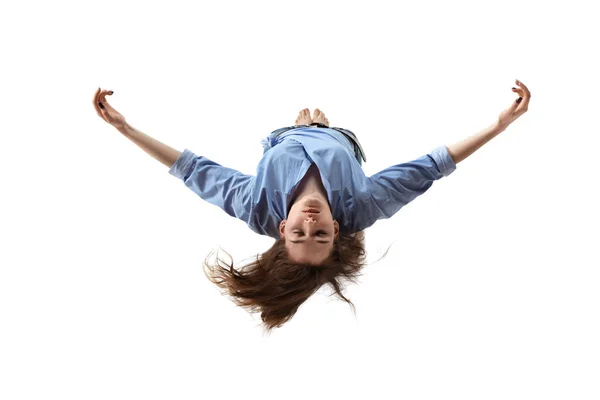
319 233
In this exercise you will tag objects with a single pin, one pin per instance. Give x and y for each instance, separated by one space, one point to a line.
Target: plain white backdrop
489 291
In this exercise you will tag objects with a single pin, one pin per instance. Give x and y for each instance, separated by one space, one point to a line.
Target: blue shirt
357 201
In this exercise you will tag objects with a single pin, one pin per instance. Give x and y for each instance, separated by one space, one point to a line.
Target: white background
489 291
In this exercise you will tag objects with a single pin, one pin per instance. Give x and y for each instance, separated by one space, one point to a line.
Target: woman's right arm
463 149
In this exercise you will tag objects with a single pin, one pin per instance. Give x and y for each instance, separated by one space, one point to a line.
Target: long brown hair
276 286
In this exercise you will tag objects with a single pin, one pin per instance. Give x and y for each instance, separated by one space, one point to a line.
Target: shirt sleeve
224 187
398 185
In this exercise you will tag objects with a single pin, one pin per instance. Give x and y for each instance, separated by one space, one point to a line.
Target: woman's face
309 230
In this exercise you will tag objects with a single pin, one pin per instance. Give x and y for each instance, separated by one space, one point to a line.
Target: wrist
125 129
500 126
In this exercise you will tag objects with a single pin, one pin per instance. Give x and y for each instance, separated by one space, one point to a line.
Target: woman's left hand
106 111
518 108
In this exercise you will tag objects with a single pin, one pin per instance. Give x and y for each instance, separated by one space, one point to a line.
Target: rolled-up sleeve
444 162
183 164
224 187
398 185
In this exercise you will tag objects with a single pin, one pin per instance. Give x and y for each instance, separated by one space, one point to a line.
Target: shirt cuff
183 164
444 161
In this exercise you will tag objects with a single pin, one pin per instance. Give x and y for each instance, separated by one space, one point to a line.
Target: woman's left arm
463 149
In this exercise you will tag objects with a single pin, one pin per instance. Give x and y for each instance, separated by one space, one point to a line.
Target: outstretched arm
160 151
463 149
398 185
224 187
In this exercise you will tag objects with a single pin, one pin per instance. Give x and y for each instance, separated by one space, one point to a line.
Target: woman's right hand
517 108
105 110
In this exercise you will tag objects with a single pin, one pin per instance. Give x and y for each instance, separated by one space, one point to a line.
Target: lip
311 210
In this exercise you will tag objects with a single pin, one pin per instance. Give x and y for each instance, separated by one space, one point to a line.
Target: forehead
308 257
308 248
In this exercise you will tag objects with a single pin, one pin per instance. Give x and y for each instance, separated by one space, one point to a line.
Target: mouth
311 210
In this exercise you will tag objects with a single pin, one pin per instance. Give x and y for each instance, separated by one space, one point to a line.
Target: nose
310 217
309 223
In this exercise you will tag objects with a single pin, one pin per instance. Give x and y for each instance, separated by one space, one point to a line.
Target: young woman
311 195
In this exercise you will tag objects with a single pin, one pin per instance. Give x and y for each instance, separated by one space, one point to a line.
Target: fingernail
519 100
101 106
111 92
514 88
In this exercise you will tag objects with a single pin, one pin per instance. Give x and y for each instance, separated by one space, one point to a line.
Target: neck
311 186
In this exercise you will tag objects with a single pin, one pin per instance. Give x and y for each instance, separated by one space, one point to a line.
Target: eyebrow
302 241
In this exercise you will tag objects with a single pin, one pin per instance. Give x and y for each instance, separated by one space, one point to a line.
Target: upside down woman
311 195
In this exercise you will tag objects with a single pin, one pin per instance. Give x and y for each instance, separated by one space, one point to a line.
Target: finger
97 99
103 95
520 106
525 94
97 105
518 82
105 103
523 105
519 91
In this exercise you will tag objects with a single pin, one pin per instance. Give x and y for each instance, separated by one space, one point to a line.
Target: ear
336 228
281 228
